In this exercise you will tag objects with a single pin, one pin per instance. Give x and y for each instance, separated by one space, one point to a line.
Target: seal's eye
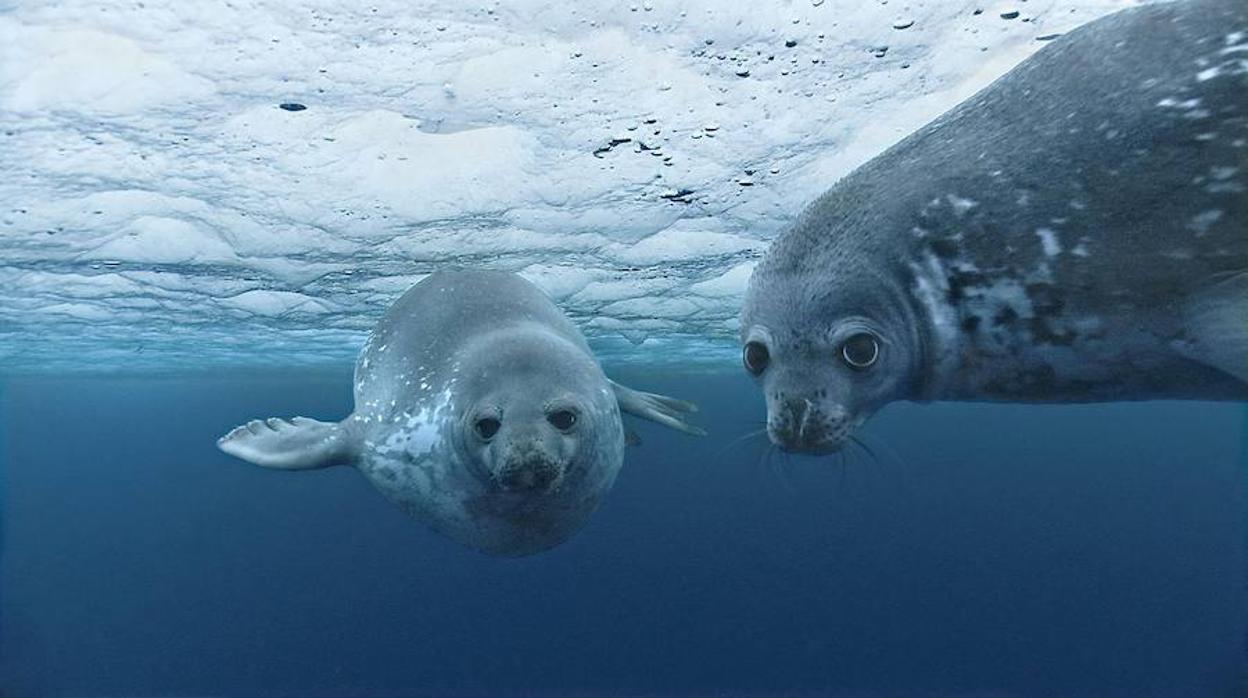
487 427
755 357
861 350
562 419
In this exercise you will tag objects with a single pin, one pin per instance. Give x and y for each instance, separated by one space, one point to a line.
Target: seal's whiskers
744 437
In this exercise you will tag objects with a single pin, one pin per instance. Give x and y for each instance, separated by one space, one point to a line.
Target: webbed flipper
296 444
1217 325
667 411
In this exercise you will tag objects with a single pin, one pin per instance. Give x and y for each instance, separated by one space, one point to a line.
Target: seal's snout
529 472
803 425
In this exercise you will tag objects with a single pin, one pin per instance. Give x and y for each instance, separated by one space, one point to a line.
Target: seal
479 410
1077 231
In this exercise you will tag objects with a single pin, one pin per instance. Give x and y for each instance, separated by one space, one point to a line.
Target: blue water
985 550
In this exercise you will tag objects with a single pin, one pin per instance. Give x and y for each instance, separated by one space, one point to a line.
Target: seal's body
1077 231
479 410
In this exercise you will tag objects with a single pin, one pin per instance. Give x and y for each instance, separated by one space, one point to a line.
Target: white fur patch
1048 240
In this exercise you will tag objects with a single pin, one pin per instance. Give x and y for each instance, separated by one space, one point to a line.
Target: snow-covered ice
165 203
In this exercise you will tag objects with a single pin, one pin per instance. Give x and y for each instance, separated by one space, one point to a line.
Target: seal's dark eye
755 357
562 419
861 350
487 427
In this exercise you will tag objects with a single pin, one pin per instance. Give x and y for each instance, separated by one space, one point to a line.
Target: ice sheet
161 208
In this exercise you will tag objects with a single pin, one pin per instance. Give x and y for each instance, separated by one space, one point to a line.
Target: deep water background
995 550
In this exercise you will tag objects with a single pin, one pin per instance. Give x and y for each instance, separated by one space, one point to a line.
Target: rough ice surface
250 183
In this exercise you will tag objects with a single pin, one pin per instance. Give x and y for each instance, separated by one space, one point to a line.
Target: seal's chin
806 445
810 449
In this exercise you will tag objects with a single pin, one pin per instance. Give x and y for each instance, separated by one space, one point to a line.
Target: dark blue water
987 550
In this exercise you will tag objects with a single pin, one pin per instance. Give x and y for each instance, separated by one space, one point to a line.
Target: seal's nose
532 474
801 425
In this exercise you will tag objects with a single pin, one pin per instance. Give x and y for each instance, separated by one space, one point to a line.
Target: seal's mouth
531 474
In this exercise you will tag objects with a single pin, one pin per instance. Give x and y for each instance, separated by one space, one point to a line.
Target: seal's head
526 428
827 350
538 430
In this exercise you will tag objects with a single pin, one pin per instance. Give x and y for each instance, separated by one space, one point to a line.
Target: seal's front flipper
297 444
656 408
1217 320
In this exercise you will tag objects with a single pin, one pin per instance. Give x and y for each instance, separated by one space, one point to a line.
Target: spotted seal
479 410
1075 232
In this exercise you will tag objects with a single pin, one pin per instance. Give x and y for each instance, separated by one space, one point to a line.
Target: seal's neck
936 326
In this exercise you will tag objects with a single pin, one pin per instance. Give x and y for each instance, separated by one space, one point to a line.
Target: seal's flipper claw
296 444
656 408
1218 326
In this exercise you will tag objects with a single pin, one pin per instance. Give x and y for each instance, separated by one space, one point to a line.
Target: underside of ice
185 185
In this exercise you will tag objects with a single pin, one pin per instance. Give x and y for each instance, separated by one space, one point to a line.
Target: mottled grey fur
1077 231
458 347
